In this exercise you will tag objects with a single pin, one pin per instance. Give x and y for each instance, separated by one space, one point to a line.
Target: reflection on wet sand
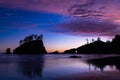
31 67
101 63
58 67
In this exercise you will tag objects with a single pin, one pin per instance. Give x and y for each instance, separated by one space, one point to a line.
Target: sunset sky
65 24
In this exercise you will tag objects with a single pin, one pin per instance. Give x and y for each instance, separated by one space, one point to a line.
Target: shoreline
92 75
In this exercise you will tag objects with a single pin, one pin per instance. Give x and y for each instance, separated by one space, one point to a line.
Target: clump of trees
31 37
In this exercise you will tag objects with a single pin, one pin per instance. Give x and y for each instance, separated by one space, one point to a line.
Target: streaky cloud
89 28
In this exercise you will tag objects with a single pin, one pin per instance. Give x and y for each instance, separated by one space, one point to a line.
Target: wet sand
109 75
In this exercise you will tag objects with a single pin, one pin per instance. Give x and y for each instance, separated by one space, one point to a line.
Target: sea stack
32 44
8 51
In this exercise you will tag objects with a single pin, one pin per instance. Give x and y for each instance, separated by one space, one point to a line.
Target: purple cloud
102 14
94 17
91 8
53 6
96 9
89 28
64 6
82 8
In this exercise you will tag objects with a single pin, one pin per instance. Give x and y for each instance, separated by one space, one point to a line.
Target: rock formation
95 47
71 51
8 51
102 47
98 46
31 46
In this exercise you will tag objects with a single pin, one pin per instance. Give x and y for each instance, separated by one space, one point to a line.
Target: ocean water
46 67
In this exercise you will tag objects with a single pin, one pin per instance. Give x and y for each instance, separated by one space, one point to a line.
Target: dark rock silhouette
115 44
101 47
55 52
75 56
95 47
31 46
101 63
71 51
8 51
98 46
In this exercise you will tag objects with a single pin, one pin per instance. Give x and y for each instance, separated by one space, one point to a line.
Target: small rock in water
74 56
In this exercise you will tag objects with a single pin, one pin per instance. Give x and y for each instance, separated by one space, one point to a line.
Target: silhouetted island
8 51
98 46
94 47
71 51
55 52
75 56
32 44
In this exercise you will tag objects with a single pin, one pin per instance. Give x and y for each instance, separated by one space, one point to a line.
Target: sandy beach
109 75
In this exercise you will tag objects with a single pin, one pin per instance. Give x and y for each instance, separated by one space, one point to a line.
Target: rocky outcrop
71 51
31 47
55 52
8 51
98 46
95 47
102 47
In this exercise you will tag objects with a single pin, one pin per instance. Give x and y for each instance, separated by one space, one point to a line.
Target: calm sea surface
45 67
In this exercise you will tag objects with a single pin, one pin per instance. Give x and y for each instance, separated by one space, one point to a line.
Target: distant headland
98 46
32 44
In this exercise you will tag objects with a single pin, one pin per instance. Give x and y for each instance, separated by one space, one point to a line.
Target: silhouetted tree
21 41
87 41
35 36
98 39
31 38
107 41
92 40
117 36
41 36
116 39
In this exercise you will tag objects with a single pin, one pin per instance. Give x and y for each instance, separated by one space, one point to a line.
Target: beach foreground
107 75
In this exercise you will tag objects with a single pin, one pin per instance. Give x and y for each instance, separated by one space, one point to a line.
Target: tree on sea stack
31 37
32 44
